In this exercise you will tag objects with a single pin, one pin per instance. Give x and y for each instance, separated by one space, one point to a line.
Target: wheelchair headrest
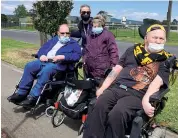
145 28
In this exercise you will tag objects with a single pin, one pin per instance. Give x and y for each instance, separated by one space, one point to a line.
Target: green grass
19 53
169 115
129 35
29 28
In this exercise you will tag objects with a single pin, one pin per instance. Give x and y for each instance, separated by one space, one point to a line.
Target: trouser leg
44 76
95 124
122 113
30 71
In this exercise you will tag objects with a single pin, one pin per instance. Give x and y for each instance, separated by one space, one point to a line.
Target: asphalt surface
33 37
17 120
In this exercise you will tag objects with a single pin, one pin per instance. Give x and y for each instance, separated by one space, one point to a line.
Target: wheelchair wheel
57 118
80 131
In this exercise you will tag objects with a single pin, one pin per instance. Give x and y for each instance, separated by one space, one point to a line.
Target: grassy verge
29 28
19 53
169 116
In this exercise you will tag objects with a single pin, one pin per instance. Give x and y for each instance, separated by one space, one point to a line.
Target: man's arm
110 78
153 87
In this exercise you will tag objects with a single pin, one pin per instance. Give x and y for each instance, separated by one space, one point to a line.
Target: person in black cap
139 73
84 25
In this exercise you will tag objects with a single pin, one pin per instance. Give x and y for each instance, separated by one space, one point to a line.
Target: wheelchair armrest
157 96
66 62
34 55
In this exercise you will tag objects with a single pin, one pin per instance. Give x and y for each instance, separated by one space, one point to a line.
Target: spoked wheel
57 118
80 131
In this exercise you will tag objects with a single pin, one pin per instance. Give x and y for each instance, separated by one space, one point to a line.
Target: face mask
97 30
154 48
64 39
85 17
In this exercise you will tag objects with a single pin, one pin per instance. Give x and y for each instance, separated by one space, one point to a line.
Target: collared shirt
51 54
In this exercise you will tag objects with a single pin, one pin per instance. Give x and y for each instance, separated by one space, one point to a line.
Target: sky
133 10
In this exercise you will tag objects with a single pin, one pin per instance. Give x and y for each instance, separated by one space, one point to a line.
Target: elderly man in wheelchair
52 58
142 71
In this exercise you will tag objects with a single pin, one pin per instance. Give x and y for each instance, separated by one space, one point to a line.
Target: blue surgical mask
64 39
97 30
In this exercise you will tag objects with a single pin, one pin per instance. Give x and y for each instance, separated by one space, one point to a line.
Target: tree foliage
48 15
4 18
151 21
21 11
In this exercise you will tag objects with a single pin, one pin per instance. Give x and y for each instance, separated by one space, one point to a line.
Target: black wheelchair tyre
57 118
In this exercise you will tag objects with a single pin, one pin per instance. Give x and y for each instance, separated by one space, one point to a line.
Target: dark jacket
100 53
81 33
70 50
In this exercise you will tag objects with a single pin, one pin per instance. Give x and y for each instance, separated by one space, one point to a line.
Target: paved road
19 123
33 37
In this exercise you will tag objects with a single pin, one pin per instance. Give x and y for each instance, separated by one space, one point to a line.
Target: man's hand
99 92
148 108
59 57
43 58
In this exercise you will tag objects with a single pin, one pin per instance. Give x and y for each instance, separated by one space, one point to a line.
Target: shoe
29 102
16 98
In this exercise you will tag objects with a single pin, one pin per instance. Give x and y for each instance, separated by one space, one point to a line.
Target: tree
174 22
4 18
164 22
48 15
20 11
103 13
151 21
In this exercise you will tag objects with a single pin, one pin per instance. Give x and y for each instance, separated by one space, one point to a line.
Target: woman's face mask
154 48
97 30
64 39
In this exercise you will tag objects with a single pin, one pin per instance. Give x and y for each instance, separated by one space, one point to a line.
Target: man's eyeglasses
67 33
85 12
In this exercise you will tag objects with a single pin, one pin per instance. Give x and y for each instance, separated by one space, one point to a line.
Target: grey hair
84 5
100 20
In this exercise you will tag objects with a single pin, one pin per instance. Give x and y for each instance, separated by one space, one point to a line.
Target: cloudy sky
135 10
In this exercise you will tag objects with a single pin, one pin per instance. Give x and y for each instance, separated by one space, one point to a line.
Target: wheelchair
142 125
52 88
79 110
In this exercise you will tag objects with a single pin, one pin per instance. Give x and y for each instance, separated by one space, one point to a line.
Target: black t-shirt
139 77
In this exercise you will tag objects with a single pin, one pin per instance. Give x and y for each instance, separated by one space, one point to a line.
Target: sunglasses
85 12
67 33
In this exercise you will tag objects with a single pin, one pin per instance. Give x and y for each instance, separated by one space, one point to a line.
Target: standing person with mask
140 73
59 48
101 51
84 25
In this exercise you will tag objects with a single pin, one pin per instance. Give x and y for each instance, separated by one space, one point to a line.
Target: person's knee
116 114
30 65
